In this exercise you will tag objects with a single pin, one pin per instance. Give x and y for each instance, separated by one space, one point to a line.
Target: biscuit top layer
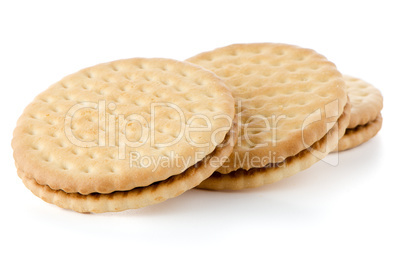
366 101
105 127
283 95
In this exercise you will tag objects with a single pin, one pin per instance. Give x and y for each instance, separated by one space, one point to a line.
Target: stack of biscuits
136 132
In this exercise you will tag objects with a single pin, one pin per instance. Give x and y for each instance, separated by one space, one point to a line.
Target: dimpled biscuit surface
80 134
284 95
366 101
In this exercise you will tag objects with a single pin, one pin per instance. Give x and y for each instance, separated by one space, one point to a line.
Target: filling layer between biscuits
350 131
360 134
154 193
274 172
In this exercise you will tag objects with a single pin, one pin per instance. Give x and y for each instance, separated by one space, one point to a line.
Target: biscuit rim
356 136
256 177
137 197
368 107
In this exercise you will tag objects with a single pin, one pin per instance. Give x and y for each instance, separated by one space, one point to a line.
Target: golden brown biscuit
366 101
122 125
365 118
280 90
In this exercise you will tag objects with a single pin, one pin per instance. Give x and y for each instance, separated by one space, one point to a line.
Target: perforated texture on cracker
366 101
43 151
281 84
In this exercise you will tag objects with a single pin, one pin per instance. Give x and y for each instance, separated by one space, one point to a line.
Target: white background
344 215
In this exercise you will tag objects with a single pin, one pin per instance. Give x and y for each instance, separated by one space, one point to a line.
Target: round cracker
255 177
277 87
360 134
71 136
137 197
366 101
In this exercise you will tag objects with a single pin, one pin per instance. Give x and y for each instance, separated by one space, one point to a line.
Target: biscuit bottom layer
137 197
360 134
256 177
